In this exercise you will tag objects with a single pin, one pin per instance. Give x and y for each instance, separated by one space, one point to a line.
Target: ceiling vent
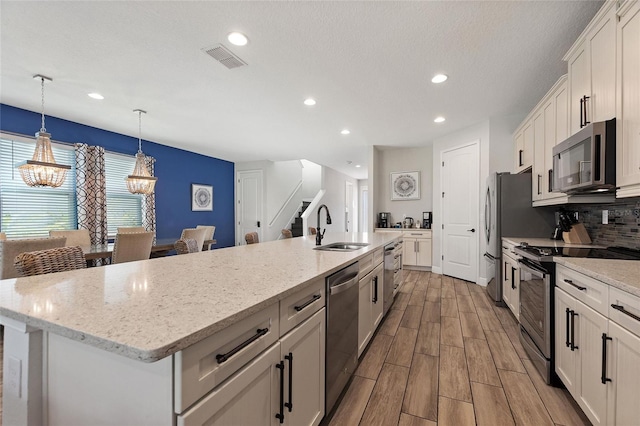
224 56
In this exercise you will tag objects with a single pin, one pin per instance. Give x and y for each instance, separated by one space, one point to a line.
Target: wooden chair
186 246
251 238
51 260
130 229
211 230
75 237
3 236
312 230
197 234
9 249
286 233
130 247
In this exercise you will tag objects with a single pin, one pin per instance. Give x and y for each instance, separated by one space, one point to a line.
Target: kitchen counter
622 274
547 242
151 309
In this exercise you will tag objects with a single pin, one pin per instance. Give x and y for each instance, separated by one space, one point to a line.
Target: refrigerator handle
487 215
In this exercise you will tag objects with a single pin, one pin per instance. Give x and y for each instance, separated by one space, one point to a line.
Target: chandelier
42 169
141 181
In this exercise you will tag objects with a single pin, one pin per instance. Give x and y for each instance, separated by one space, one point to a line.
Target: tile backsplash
623 228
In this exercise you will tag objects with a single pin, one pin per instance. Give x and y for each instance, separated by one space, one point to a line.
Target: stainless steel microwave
586 161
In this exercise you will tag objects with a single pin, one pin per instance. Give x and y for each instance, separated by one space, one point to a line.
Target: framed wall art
405 185
201 198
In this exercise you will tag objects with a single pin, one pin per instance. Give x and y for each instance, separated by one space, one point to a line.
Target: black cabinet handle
568 318
539 184
513 278
289 404
520 163
573 330
307 303
225 357
280 415
584 105
581 112
624 311
575 285
604 379
375 289
550 180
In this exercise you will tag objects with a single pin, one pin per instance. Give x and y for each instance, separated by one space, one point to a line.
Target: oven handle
527 264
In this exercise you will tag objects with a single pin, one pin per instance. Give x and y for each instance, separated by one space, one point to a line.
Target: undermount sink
342 246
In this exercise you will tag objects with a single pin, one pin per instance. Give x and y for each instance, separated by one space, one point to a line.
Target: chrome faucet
320 235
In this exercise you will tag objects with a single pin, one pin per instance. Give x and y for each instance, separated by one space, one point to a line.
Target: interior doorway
364 208
249 207
460 201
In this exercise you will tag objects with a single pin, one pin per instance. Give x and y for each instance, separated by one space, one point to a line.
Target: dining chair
52 260
211 230
9 249
286 233
129 247
75 237
3 236
312 230
186 246
197 234
251 238
130 229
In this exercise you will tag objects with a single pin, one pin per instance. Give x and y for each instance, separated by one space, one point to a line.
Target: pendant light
141 181
42 169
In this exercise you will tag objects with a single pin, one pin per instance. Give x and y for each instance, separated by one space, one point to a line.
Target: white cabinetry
370 305
597 347
417 248
510 280
628 102
592 71
524 140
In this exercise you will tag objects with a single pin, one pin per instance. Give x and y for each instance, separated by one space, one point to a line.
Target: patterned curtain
149 202
91 191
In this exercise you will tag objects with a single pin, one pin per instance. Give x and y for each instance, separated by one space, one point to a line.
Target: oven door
535 304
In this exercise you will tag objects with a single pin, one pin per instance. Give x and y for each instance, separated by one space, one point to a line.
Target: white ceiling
368 64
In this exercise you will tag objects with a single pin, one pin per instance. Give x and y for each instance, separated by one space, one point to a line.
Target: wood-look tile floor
445 355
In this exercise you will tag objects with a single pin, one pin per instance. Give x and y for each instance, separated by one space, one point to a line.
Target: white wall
477 132
312 177
334 183
502 147
404 160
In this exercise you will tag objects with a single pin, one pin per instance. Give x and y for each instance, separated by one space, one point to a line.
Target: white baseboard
436 270
482 281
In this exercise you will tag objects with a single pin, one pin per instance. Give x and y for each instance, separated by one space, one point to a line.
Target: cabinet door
623 359
602 69
513 270
628 109
578 86
527 154
303 355
590 393
537 177
249 397
409 248
565 358
423 255
364 312
506 280
519 152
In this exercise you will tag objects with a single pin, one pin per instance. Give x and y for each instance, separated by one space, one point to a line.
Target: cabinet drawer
589 291
626 311
378 256
366 265
301 305
197 368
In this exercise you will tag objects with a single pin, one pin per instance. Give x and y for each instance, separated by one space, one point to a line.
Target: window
123 207
33 212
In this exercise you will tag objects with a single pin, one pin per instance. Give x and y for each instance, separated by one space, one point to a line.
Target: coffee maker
426 220
383 219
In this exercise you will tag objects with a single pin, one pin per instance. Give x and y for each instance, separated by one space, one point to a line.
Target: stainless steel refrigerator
508 213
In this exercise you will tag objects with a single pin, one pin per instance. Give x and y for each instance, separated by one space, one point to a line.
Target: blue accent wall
175 168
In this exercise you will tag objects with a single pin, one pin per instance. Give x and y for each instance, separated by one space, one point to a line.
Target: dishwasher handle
345 284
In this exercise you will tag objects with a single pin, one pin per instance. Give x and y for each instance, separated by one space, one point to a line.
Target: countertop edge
567 262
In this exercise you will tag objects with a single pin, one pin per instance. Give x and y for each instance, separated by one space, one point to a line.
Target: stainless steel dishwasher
342 332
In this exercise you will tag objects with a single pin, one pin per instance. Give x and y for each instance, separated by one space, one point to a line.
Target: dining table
162 247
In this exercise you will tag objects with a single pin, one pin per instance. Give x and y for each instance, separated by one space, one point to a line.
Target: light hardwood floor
446 355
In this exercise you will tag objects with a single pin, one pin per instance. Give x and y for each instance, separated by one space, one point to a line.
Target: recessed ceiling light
309 102
96 96
439 78
345 132
438 120
237 39
357 165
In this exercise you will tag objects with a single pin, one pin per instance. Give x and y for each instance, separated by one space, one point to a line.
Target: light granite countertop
151 309
622 274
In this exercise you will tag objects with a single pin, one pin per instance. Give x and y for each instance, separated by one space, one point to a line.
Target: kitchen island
132 321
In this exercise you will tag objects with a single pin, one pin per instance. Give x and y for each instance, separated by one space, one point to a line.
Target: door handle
471 230
258 224
604 379
581 112
573 330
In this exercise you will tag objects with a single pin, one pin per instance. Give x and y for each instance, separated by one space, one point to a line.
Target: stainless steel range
537 279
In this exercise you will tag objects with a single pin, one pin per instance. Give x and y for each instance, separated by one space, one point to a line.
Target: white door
349 208
460 200
249 211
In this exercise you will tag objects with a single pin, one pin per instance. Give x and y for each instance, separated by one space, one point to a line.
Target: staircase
296 226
